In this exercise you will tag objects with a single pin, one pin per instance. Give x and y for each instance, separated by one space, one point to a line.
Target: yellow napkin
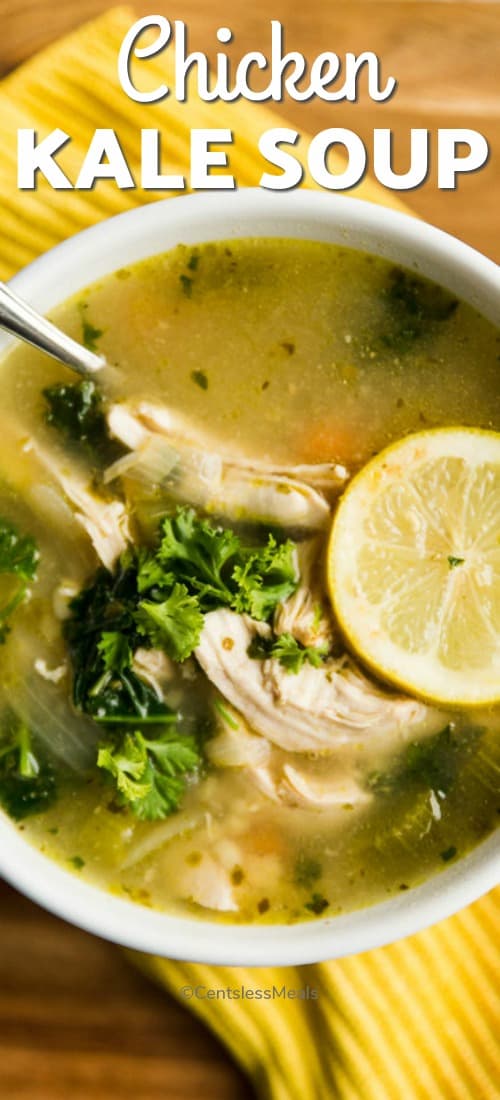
414 1021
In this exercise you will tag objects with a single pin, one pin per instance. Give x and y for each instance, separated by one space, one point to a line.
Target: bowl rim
191 219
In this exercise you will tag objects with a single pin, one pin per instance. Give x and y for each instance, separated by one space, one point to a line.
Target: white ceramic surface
69 268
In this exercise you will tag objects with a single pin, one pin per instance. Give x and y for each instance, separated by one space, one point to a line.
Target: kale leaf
150 774
102 636
413 305
289 652
76 410
432 763
19 559
27 780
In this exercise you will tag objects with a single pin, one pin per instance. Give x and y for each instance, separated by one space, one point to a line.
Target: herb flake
200 379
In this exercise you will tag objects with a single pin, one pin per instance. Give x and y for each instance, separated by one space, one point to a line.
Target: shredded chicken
297 785
188 469
62 596
106 522
53 675
145 417
282 776
207 883
305 614
238 748
314 710
153 666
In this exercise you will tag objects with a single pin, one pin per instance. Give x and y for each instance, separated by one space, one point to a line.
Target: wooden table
75 1019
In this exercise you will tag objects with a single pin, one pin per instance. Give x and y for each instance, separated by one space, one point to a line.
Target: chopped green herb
152 575
402 829
174 625
317 904
413 306
214 565
77 862
200 378
200 555
27 780
289 652
18 559
150 774
18 553
193 261
225 715
431 763
450 853
266 578
158 598
186 285
102 635
453 562
115 651
90 334
76 410
307 871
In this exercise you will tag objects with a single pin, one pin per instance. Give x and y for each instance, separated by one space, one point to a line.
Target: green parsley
90 334
214 565
174 624
289 652
200 378
150 775
317 904
27 780
158 598
307 871
77 862
18 559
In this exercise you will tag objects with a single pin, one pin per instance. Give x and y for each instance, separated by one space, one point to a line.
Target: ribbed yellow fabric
418 1020
415 1021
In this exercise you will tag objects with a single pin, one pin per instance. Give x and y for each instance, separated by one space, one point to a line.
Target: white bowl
70 267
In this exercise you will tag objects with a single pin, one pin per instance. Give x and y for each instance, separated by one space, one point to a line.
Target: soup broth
255 359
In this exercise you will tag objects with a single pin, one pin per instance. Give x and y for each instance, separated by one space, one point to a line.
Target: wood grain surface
76 1021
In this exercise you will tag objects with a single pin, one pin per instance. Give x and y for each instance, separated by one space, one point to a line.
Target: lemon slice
414 565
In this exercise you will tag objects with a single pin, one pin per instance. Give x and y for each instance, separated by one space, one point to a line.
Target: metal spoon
18 318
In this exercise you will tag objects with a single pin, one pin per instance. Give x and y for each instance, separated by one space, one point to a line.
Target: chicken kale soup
191 714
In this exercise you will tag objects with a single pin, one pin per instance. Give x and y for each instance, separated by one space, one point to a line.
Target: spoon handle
18 318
